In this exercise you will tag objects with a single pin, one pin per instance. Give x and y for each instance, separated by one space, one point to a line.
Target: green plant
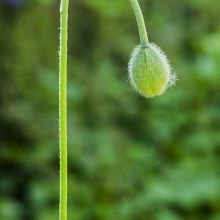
149 70
149 73
63 107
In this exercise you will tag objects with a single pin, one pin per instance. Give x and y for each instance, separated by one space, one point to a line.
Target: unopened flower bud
149 70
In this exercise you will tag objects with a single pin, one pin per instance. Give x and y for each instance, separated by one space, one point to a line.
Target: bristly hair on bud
149 70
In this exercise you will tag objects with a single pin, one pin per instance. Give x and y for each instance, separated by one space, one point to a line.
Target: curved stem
63 108
140 21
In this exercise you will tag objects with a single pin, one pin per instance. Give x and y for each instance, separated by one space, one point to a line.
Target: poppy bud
149 71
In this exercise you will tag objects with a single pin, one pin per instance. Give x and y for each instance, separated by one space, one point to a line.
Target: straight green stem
140 21
63 108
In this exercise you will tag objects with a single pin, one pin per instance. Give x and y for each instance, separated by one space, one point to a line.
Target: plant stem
140 21
63 108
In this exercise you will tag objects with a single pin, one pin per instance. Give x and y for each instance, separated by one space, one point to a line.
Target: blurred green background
130 158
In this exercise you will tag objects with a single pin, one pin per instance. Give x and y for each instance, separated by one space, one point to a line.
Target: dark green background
130 158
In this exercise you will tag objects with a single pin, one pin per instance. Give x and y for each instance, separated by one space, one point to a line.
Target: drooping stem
140 21
63 108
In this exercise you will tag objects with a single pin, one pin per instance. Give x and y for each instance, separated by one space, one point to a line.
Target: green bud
149 71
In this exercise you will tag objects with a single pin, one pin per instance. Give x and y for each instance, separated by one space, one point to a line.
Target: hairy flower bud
149 71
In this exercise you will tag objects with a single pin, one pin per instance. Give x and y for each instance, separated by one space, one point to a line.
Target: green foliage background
130 158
